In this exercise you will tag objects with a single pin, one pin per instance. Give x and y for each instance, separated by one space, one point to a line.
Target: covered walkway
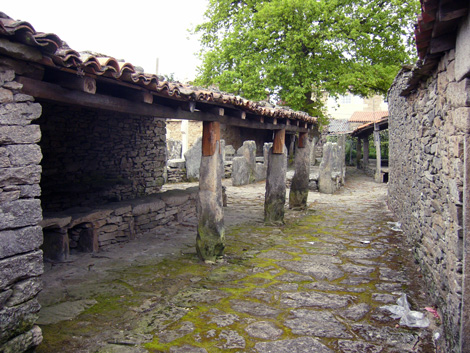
313 285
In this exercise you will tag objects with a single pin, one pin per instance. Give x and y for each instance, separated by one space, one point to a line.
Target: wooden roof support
302 141
210 136
279 141
55 93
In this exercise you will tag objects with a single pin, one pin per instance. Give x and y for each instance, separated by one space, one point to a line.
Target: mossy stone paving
315 284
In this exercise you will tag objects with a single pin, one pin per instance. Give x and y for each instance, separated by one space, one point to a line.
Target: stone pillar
365 149
21 262
330 169
299 187
210 241
378 171
358 153
342 156
275 197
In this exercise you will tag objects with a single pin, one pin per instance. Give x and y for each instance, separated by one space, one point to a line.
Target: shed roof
367 129
435 34
48 51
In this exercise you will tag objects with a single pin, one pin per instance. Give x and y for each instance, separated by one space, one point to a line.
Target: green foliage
294 50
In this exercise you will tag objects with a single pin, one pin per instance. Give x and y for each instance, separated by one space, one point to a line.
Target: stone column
210 241
342 156
275 197
365 149
378 171
299 188
358 153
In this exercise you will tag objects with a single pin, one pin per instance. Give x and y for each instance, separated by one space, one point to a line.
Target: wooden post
279 141
210 136
303 136
378 172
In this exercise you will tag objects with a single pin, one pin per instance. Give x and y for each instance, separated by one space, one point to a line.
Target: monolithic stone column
299 187
342 156
210 241
378 171
365 148
358 153
275 197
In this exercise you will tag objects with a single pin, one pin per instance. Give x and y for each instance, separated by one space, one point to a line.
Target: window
345 99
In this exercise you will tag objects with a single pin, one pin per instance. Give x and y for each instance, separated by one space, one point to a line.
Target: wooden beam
302 141
442 43
55 93
83 84
279 141
452 10
210 136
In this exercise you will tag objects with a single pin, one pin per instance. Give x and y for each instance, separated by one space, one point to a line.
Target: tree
295 50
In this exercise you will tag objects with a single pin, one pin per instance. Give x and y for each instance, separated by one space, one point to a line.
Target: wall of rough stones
93 157
427 132
20 213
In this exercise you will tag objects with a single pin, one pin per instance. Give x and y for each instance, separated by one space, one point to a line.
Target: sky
138 31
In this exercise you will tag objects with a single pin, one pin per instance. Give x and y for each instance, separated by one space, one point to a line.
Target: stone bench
89 229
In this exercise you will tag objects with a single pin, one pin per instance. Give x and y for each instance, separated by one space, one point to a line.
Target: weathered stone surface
240 171
168 336
314 299
64 311
314 269
6 75
18 319
331 171
223 320
20 213
24 291
174 148
20 241
275 197
356 312
193 160
265 330
232 340
298 193
21 266
316 323
24 155
6 96
297 345
248 151
186 348
210 240
20 176
253 308
24 342
10 135
358 346
147 207
19 113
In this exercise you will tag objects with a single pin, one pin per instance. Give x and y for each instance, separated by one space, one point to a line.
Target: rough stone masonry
20 214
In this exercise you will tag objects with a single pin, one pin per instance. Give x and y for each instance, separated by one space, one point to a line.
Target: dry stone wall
20 213
93 157
427 132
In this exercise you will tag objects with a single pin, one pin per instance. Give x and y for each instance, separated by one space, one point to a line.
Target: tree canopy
295 50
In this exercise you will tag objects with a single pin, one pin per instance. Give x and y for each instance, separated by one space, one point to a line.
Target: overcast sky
137 31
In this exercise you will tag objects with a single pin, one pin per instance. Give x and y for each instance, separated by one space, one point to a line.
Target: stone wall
20 213
93 157
427 132
88 230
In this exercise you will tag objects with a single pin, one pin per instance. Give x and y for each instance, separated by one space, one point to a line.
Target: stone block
174 198
55 222
462 50
30 191
193 160
18 319
176 163
24 291
24 342
28 175
23 155
260 171
147 207
20 213
20 267
20 241
6 96
461 119
240 171
19 113
458 93
6 75
123 210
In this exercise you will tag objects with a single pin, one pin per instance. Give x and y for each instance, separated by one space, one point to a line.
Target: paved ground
313 285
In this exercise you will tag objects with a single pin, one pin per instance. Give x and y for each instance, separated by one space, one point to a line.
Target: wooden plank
210 136
55 93
279 141
452 10
442 43
302 141
83 84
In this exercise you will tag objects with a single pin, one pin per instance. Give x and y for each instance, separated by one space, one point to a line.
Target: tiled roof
337 126
57 54
368 128
435 33
363 117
